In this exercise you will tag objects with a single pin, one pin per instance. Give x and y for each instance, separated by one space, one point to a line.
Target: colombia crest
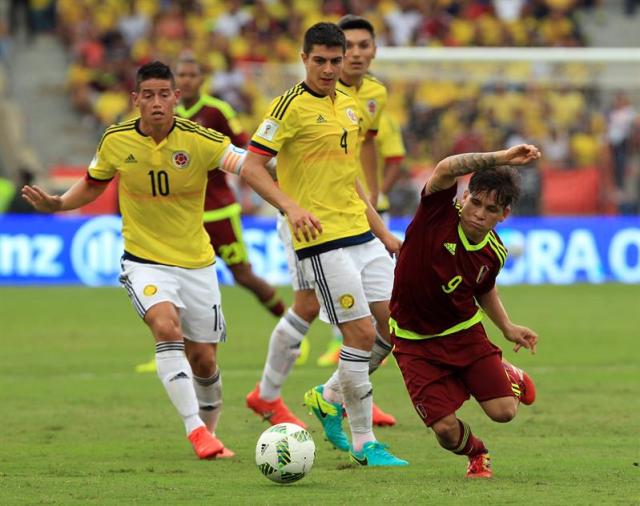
180 159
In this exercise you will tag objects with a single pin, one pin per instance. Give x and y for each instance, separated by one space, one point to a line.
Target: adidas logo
451 247
180 375
131 159
321 119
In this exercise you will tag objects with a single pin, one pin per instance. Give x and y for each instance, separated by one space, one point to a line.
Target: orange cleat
274 412
521 383
382 419
226 454
479 466
204 444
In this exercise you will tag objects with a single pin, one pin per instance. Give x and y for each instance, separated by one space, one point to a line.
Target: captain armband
233 159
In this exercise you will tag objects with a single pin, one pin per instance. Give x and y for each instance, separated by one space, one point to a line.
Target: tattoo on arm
433 188
470 162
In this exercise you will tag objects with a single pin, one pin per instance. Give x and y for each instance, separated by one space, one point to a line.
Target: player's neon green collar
193 110
467 245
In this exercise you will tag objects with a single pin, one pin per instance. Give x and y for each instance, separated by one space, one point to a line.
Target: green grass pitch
78 426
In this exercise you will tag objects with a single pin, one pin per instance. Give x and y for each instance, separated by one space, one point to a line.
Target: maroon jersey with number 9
439 272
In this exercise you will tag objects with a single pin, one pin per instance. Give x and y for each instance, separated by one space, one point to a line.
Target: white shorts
348 279
298 279
194 292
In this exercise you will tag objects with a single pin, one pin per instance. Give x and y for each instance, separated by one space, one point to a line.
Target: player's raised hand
521 154
524 337
304 224
41 200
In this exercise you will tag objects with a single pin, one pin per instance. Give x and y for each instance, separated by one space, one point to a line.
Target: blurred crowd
238 42
109 39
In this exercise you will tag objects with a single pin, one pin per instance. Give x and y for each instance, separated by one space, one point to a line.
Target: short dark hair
504 180
353 22
154 70
324 34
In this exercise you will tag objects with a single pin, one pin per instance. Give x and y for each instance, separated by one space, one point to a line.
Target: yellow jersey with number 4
161 189
316 141
371 98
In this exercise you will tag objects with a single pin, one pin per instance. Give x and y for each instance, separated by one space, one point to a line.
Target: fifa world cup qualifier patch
267 130
352 116
346 301
150 290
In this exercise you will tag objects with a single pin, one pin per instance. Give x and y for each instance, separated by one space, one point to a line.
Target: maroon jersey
439 272
216 114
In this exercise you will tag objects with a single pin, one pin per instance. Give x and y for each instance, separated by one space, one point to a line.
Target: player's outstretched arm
304 224
80 194
448 170
378 227
523 337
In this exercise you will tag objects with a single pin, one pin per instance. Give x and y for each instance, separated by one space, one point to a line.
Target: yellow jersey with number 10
316 141
161 189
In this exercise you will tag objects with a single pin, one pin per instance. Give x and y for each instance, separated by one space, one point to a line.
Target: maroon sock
468 444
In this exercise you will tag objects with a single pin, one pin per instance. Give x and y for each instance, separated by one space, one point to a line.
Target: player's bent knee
504 414
446 430
166 329
306 305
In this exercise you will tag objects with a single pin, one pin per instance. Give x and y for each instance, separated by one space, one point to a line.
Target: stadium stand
246 46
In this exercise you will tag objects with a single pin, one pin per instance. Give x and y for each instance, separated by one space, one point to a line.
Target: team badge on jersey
180 159
150 290
346 301
372 107
268 129
352 116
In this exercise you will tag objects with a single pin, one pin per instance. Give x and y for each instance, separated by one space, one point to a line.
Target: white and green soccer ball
285 453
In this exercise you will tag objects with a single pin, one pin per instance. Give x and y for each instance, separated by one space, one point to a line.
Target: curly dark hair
504 180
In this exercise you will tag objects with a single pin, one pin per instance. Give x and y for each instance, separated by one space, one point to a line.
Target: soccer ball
285 453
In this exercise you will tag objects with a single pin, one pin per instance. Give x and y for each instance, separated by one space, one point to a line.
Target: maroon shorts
226 238
442 372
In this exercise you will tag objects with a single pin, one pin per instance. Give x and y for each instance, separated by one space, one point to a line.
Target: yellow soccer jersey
161 188
390 148
316 140
371 99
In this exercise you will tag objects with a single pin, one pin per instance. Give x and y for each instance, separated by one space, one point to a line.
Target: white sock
284 348
209 394
380 351
175 374
332 389
353 369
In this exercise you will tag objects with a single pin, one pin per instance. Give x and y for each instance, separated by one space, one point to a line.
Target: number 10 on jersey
159 183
